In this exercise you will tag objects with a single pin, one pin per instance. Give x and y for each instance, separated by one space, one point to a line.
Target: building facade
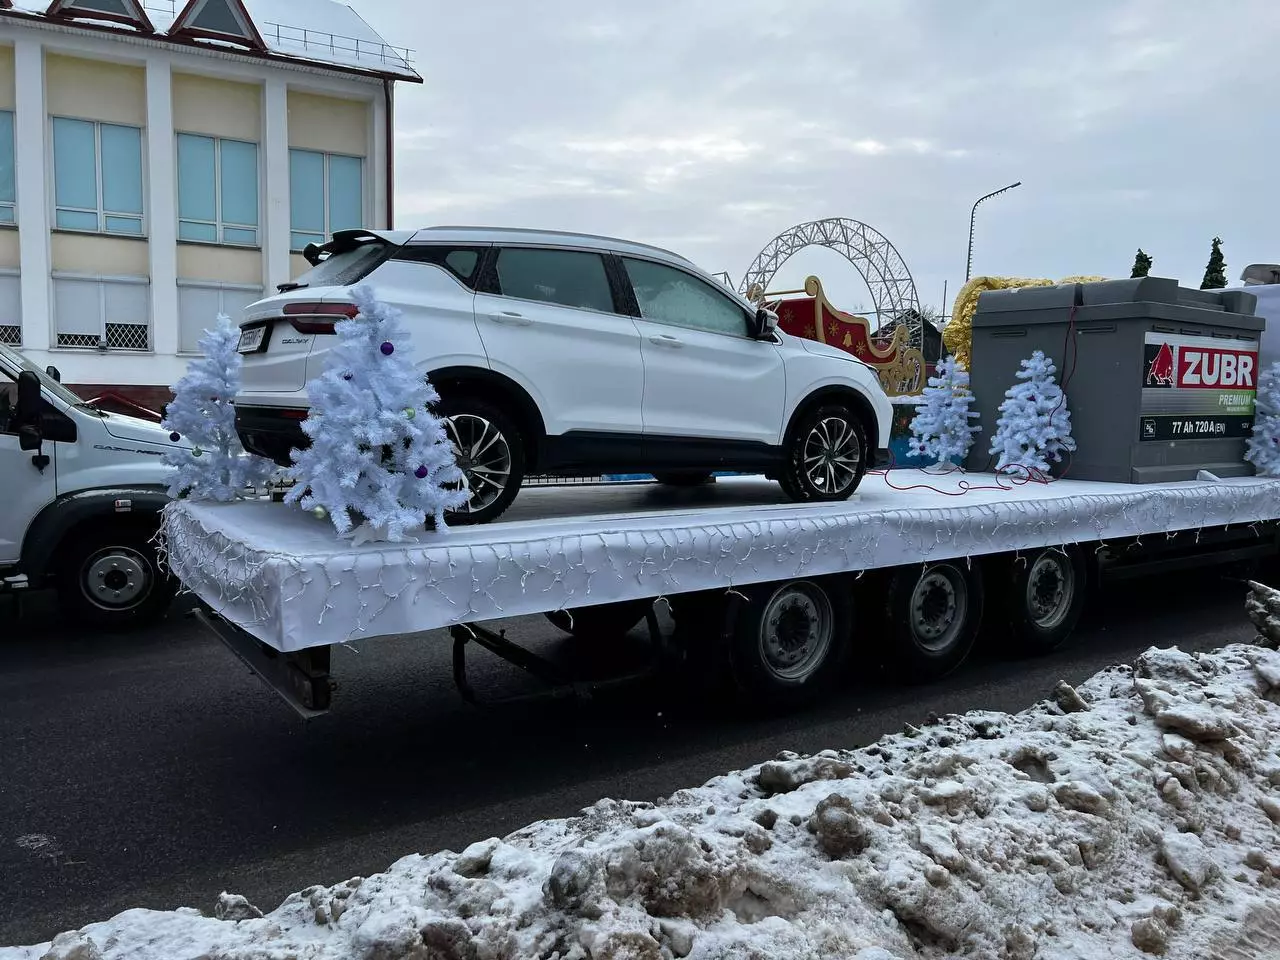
164 163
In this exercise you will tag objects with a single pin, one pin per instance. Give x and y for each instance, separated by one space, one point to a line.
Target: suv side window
462 262
8 401
667 295
570 278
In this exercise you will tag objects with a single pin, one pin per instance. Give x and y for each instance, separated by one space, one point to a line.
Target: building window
326 194
217 190
97 172
201 301
8 188
10 307
102 312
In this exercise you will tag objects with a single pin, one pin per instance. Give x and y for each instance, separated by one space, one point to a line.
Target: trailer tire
788 641
608 620
825 454
933 613
467 421
111 578
1044 594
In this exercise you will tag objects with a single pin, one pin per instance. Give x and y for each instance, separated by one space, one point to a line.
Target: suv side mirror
54 374
766 322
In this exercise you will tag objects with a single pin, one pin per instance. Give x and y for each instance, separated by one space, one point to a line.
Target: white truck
84 490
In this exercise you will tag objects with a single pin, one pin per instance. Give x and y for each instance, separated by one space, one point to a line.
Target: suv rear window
347 266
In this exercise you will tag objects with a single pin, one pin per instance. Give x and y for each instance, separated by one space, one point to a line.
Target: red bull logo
1202 368
1161 370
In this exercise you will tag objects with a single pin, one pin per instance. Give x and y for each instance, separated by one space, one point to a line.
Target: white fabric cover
283 576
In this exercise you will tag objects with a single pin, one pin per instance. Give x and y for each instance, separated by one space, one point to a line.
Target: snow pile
1137 815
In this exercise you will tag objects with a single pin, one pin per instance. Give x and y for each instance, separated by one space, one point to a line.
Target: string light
292 598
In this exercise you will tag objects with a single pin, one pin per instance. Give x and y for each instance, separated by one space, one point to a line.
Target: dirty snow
1135 815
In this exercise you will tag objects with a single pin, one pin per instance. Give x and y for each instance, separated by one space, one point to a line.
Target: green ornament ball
197 452
410 413
320 513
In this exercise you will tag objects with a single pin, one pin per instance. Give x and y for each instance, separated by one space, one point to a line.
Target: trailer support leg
301 679
559 686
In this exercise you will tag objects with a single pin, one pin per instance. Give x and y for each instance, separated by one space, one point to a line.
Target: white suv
566 354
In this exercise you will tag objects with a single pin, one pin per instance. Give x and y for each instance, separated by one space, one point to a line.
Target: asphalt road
153 770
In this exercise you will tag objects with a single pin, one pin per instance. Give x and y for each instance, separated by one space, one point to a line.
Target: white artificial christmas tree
1034 425
379 464
941 429
1264 446
214 466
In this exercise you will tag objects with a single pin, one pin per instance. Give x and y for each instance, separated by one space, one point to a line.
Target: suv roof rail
565 233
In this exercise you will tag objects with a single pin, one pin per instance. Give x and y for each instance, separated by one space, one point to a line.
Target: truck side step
300 679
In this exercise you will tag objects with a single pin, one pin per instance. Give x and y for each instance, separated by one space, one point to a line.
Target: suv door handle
666 340
511 318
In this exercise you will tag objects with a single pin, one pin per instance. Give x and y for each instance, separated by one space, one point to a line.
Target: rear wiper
286 287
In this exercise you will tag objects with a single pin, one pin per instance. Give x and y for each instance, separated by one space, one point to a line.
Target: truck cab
83 492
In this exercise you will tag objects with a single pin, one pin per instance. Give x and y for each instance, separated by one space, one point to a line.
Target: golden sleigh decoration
901 368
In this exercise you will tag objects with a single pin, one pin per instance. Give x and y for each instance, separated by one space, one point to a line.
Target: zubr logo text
1202 368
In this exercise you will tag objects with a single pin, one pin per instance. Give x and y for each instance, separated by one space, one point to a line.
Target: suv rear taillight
310 317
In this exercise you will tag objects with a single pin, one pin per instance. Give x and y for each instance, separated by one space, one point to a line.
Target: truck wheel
491 454
1044 596
112 579
934 612
788 640
606 620
825 455
692 479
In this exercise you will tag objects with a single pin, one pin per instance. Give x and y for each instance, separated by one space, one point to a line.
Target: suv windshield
348 263
47 382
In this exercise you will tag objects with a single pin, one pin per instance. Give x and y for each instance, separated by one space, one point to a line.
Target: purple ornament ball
421 473
175 436
388 348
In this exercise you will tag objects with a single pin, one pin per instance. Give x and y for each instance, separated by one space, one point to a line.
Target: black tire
504 458
788 641
110 578
608 620
933 613
693 478
1043 595
825 454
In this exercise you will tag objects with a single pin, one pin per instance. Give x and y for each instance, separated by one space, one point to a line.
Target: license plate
251 339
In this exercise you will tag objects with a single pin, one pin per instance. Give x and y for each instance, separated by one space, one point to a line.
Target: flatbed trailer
771 598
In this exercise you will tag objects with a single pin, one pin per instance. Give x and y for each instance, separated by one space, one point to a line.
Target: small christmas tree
1215 274
1141 265
1034 424
941 429
379 464
1264 446
215 466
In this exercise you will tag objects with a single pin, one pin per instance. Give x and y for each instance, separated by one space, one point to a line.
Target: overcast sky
710 126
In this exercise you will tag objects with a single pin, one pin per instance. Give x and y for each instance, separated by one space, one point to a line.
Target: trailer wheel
788 641
606 620
112 579
934 613
1044 596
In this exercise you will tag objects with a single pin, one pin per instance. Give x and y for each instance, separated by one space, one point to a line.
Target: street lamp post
973 216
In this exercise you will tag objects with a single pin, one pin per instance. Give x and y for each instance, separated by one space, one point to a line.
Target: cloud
711 127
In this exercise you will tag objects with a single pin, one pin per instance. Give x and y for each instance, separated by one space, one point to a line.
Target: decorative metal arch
893 291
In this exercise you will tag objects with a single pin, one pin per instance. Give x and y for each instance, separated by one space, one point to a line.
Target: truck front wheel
113 579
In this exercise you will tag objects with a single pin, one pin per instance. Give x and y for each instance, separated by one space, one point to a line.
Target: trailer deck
282 577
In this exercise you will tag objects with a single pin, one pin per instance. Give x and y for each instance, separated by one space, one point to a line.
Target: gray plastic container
1160 379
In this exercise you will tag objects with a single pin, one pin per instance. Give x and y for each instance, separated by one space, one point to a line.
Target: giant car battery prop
1160 380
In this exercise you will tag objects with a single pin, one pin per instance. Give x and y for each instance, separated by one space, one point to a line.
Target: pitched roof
321 32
